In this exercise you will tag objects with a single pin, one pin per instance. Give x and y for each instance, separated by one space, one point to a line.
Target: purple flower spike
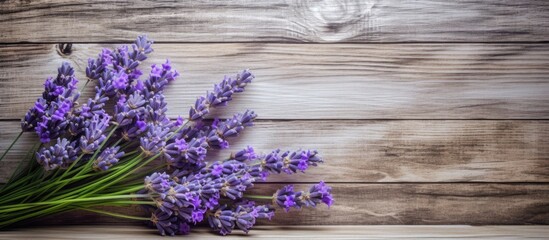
60 155
108 158
159 77
286 198
300 160
247 154
221 94
158 183
225 219
96 67
94 134
264 211
181 152
199 110
141 48
288 162
120 82
222 220
155 139
319 193
244 219
48 117
230 128
165 223
155 112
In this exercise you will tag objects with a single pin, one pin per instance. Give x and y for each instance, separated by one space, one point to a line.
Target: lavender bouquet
91 156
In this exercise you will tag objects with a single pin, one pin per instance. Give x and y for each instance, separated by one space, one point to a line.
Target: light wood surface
306 81
290 232
385 151
276 21
391 203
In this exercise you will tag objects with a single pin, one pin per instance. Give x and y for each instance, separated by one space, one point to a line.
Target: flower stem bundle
92 156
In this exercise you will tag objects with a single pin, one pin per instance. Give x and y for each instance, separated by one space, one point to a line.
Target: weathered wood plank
289 232
311 81
275 20
456 203
386 151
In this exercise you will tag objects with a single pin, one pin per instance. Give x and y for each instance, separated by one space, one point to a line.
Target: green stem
127 190
75 162
258 196
99 182
118 215
85 84
11 145
76 200
126 203
103 186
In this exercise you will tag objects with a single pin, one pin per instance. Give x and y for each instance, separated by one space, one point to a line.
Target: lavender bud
94 134
96 67
318 193
286 198
180 152
108 158
62 154
165 223
155 139
158 183
247 154
231 127
221 95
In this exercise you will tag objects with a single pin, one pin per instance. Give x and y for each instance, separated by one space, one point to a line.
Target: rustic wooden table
427 112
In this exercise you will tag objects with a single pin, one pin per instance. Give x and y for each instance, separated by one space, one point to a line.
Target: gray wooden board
275 21
289 232
304 81
391 203
384 151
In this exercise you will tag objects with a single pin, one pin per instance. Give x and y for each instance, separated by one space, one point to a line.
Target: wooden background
427 112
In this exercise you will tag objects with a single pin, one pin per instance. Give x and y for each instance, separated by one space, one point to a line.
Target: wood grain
356 204
342 81
289 232
275 21
385 151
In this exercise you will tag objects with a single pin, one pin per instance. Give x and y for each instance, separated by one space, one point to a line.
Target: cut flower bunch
93 157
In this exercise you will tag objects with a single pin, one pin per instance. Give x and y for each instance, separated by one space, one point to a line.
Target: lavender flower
158 183
318 193
159 77
221 94
96 67
247 154
130 110
155 139
287 198
217 136
141 48
155 112
59 155
288 162
166 224
243 217
94 134
49 115
180 152
108 158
